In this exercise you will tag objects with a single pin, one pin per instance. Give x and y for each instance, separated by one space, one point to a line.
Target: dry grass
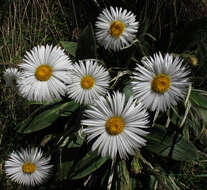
31 23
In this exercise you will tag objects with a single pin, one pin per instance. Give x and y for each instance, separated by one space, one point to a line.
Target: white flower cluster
116 125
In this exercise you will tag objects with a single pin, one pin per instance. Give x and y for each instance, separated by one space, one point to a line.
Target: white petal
32 88
13 167
97 72
103 23
155 65
124 143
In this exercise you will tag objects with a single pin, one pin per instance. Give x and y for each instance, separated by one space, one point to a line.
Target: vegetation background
27 23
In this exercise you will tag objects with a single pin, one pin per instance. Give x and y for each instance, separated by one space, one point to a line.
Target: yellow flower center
87 82
117 28
160 83
28 168
43 72
114 125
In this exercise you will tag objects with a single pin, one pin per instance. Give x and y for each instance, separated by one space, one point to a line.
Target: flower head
89 81
45 74
116 28
10 76
28 167
117 125
161 82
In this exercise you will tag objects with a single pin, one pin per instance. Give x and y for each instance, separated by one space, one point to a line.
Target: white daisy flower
118 126
116 28
45 74
10 76
89 81
28 167
161 82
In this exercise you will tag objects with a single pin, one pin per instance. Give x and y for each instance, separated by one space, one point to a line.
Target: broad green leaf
87 44
198 99
86 165
70 47
45 116
161 142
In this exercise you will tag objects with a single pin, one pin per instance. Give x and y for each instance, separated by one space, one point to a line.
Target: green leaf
127 90
162 143
175 117
134 182
121 178
87 44
70 47
190 35
69 156
100 178
203 115
136 166
77 142
86 165
198 99
125 182
152 182
45 116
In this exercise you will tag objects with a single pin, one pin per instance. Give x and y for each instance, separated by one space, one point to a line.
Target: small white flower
118 126
116 28
161 82
28 167
45 74
89 81
10 76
